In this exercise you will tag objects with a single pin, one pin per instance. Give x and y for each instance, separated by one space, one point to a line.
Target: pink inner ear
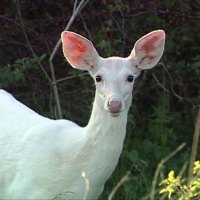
73 47
149 43
76 45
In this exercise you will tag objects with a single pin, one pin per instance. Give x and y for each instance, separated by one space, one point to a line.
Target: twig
27 39
159 167
76 11
75 3
171 86
123 180
194 146
85 27
51 80
183 168
159 83
71 77
179 175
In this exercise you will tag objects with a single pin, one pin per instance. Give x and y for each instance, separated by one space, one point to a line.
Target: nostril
114 106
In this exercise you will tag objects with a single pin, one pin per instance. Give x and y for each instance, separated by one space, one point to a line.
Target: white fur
46 159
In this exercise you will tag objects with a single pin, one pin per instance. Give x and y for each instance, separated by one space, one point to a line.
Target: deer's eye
130 78
98 78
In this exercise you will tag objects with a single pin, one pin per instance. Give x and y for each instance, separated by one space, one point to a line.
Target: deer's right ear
149 49
78 50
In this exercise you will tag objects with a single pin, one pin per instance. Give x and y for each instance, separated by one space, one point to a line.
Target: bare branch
71 77
76 11
27 39
71 20
159 167
159 83
171 85
123 180
85 27
194 147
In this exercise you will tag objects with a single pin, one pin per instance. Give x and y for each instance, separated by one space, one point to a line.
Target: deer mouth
115 114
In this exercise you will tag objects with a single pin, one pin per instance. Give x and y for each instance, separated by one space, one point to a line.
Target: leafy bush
176 187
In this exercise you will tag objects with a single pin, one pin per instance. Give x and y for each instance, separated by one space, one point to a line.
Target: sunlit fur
57 159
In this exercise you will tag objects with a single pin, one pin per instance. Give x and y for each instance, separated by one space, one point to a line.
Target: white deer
41 158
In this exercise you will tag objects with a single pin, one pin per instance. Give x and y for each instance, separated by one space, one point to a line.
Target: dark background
166 98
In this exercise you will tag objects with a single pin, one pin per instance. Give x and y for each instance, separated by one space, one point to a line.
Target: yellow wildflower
196 168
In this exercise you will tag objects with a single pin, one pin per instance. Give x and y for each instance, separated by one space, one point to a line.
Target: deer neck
103 126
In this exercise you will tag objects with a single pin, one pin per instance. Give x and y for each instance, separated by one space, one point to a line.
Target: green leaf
133 156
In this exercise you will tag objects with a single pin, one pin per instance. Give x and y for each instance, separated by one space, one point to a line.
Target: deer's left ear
78 50
148 50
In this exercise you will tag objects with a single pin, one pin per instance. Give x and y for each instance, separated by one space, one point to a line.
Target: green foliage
160 127
176 187
16 72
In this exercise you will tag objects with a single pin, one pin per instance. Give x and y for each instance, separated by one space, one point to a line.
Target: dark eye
130 78
98 78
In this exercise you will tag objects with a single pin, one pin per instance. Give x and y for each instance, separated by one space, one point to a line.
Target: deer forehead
114 67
